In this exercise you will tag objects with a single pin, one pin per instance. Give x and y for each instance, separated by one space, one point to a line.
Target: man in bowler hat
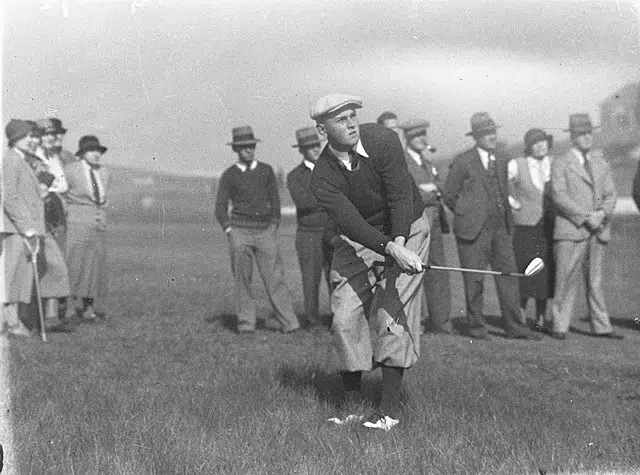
250 188
476 191
429 182
362 180
584 196
312 243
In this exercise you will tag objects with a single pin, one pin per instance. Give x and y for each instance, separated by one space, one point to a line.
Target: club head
534 267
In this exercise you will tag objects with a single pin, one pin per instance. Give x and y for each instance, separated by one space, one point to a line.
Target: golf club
534 267
36 277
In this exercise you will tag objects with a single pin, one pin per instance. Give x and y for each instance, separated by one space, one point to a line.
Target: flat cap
333 103
415 127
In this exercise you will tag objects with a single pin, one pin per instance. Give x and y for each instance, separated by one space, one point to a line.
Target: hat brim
483 131
310 144
244 142
99 148
582 131
336 110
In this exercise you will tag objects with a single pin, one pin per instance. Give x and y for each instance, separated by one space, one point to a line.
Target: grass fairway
165 386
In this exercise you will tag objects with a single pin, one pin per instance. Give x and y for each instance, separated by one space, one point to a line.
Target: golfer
362 180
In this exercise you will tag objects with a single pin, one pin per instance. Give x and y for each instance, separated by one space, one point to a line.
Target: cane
34 265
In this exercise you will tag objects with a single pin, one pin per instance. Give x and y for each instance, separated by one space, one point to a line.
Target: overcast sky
162 87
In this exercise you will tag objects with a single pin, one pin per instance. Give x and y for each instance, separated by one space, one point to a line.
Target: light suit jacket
80 200
575 195
23 207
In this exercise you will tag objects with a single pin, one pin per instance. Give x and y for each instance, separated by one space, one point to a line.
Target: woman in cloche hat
529 185
87 225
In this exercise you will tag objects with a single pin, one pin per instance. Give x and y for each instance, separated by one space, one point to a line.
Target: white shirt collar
19 152
310 165
243 167
344 158
485 156
360 149
578 154
415 155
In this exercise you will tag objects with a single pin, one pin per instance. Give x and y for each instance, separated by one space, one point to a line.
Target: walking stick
34 265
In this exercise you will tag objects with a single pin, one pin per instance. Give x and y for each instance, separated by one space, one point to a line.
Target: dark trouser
314 256
492 246
436 283
245 245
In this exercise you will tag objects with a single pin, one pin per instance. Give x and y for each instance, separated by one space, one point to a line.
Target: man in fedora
429 182
584 195
361 179
476 191
312 243
251 225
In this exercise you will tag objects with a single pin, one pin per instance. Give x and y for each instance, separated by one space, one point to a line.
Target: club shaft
473 271
458 269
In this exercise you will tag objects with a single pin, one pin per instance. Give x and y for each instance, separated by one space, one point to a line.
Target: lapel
25 165
578 168
478 169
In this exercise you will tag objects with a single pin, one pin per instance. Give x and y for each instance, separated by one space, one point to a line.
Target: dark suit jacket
636 188
467 193
423 175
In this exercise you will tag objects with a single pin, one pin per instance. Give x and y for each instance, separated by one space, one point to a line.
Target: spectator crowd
371 211
53 247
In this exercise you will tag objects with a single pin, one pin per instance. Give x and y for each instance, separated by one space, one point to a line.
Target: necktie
587 166
353 160
97 199
495 184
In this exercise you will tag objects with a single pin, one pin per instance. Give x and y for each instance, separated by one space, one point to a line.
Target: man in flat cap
361 179
312 243
476 191
250 188
429 182
584 195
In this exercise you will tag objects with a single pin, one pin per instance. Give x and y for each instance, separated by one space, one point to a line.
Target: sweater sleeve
345 215
398 185
222 201
300 193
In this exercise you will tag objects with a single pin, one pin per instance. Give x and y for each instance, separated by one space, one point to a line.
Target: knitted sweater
309 214
253 196
377 201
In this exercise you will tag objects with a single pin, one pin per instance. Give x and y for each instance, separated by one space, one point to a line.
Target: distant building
620 112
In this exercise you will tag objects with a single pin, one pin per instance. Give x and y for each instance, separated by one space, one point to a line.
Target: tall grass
166 386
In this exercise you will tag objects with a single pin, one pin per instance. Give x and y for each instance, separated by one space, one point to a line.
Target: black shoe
613 336
62 327
531 336
559 335
444 331
479 335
